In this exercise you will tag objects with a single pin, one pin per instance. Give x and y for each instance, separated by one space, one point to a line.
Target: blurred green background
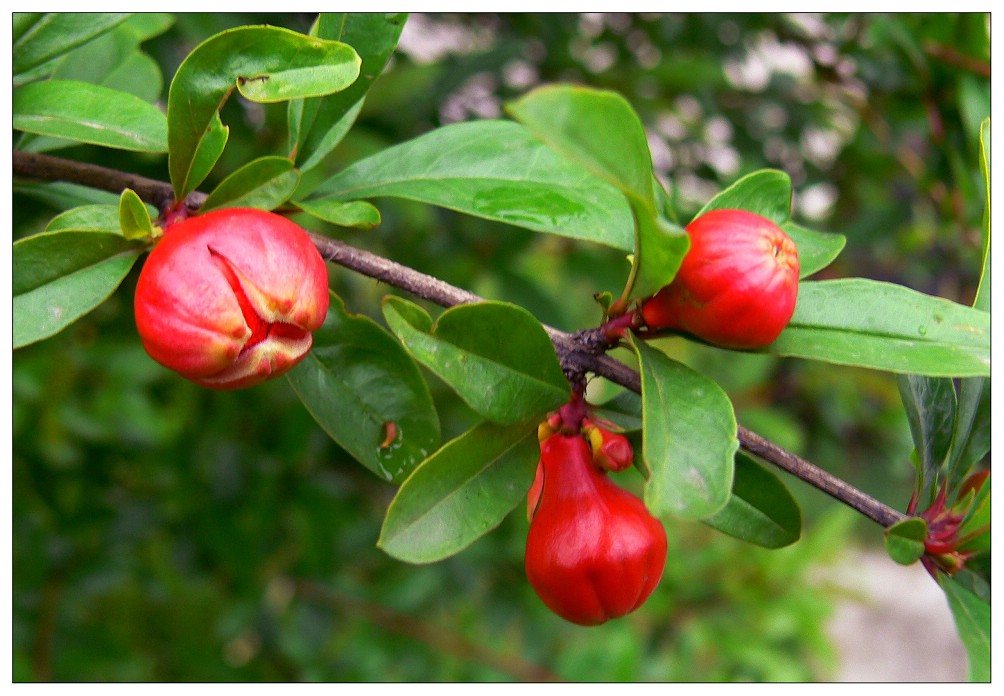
164 532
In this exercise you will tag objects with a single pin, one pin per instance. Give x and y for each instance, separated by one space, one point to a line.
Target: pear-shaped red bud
229 299
593 552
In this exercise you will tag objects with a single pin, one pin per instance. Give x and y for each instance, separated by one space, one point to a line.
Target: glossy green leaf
96 217
138 74
495 356
89 114
661 246
44 37
930 406
115 59
332 136
61 276
460 493
318 125
495 170
210 148
624 410
265 183
972 621
886 327
766 192
816 250
689 437
597 129
367 394
63 195
600 131
972 426
266 64
134 218
760 510
904 541
983 291
357 214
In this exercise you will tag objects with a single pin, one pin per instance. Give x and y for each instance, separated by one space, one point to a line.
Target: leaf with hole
266 64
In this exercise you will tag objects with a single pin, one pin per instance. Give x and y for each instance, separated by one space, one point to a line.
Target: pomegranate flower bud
612 451
594 552
736 286
229 299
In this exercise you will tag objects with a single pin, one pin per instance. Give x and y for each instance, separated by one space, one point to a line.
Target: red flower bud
229 299
612 451
737 285
594 552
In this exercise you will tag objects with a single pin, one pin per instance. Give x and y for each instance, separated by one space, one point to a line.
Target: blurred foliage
163 532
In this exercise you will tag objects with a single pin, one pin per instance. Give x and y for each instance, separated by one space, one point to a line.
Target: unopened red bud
230 298
611 451
737 284
594 552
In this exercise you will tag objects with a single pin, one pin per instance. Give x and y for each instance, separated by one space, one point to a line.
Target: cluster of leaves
573 163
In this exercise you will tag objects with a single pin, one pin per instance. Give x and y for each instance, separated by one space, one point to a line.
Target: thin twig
578 353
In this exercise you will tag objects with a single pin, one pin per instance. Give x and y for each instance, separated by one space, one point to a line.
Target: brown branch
956 59
578 353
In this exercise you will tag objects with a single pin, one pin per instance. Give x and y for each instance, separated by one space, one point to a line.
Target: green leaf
44 37
137 74
358 214
600 131
265 183
884 326
495 356
374 37
816 250
661 246
971 440
983 291
115 60
904 541
360 386
63 195
134 218
766 192
689 437
597 129
760 510
977 520
96 217
61 276
266 64
460 493
494 170
112 60
210 148
972 620
930 410
624 410
89 114
332 136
